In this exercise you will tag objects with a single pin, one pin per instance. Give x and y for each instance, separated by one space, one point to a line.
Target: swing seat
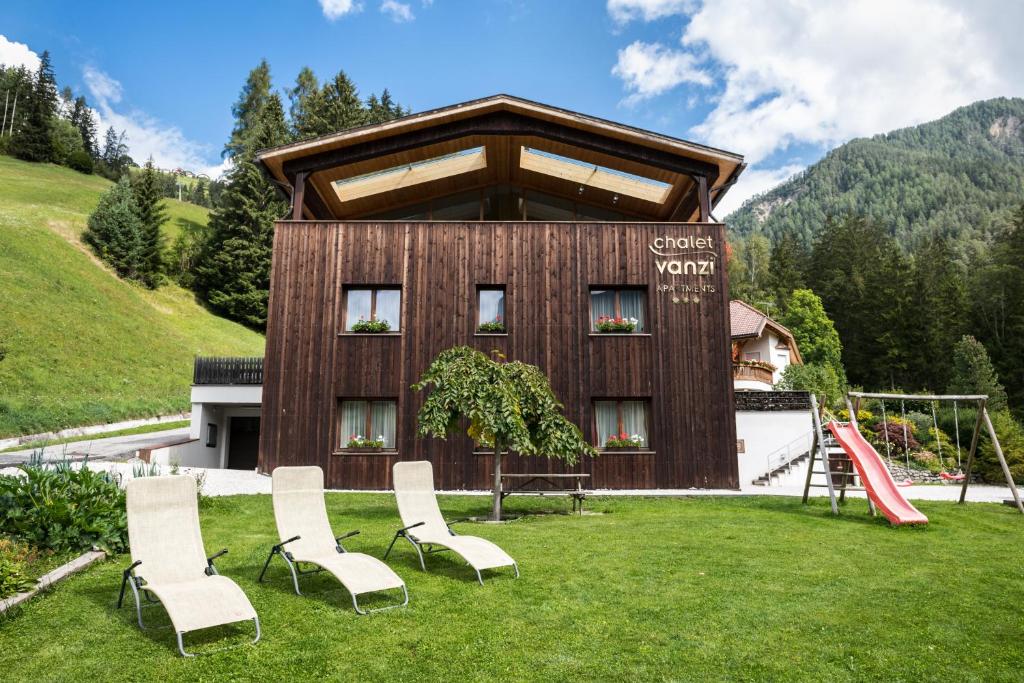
946 476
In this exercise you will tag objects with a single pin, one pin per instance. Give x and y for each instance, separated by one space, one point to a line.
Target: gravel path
98 449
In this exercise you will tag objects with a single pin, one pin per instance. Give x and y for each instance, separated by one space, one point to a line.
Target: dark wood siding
682 367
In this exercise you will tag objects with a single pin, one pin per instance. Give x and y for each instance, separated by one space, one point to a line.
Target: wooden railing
753 374
213 370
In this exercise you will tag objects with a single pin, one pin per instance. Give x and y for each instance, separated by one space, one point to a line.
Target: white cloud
754 181
17 54
821 73
101 85
147 136
624 11
399 12
650 69
335 9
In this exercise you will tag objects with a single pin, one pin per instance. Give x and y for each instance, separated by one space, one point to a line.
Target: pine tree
232 270
115 232
342 108
306 105
82 117
152 215
973 373
32 138
862 279
248 110
938 311
786 266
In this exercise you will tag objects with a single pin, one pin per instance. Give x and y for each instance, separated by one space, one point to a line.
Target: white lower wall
763 432
219 416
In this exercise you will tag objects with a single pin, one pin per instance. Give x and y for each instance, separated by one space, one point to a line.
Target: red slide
872 471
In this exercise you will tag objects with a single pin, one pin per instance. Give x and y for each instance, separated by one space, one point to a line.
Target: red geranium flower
623 436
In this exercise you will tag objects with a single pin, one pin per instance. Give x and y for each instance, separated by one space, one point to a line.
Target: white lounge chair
169 562
427 530
303 527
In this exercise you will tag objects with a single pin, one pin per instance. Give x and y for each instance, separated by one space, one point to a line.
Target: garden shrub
63 509
900 440
1011 438
14 560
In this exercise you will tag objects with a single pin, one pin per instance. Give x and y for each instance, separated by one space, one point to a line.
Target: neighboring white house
761 348
225 429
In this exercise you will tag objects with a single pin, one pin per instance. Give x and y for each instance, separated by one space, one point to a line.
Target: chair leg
295 576
266 564
388 552
355 603
184 653
419 552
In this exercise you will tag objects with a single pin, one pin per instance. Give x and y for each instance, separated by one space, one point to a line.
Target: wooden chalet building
505 225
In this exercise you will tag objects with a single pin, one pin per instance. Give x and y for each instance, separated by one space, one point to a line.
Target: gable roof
523 142
747 322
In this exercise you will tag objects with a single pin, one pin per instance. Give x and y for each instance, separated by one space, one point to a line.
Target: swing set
860 460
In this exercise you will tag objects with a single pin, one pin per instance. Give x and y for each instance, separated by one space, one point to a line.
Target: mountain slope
958 176
79 345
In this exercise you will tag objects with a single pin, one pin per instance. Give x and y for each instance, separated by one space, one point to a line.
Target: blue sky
780 81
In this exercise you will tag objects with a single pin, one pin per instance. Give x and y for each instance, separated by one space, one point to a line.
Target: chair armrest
411 526
458 520
210 569
132 567
350 534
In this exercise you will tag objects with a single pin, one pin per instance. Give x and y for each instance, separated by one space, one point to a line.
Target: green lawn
751 588
82 346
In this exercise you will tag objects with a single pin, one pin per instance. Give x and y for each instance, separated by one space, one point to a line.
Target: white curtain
389 307
492 305
602 303
382 420
353 420
631 302
634 419
358 307
607 421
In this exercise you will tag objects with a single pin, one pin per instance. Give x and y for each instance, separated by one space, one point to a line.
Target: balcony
751 378
228 371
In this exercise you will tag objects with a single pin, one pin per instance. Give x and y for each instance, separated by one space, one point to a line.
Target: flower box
356 451
493 327
609 325
357 442
624 442
371 326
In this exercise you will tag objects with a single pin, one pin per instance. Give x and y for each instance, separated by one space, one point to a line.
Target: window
617 304
384 304
751 355
621 421
368 420
491 310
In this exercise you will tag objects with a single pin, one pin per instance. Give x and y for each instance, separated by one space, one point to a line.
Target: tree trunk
496 512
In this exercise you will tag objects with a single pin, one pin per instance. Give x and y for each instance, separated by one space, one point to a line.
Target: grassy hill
79 345
959 176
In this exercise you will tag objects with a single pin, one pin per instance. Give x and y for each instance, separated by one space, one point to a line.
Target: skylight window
593 175
406 175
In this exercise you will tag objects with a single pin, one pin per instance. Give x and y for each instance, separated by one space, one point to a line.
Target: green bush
1011 438
62 509
14 574
81 161
821 380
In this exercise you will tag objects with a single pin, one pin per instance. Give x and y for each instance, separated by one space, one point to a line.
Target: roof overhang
555 151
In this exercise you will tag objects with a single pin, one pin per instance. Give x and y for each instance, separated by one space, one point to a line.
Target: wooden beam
502 123
298 196
703 199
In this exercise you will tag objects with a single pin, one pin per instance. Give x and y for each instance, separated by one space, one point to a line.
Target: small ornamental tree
509 405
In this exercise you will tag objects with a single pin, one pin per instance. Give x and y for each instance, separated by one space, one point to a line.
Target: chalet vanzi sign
686 262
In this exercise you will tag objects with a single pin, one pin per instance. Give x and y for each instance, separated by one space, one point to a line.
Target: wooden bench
546 484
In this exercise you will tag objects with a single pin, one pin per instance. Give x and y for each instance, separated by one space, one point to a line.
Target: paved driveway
99 448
